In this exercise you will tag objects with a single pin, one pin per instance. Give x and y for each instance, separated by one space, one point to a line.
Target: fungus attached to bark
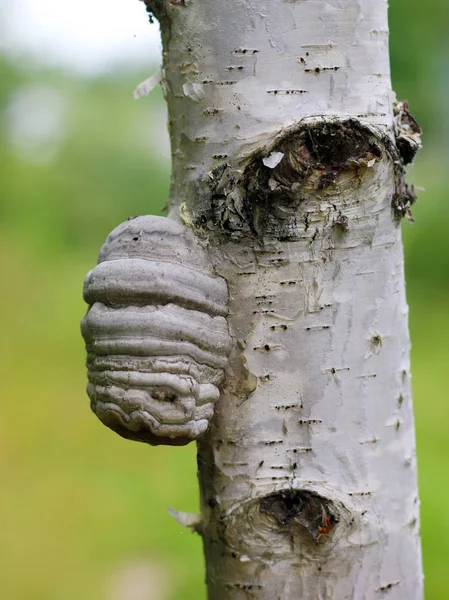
156 333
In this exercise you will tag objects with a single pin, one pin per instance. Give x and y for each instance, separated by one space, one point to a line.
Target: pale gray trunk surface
286 162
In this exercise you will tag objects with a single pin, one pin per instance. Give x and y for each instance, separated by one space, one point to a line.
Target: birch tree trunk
288 157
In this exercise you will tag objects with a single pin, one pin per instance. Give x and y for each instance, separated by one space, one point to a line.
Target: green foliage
419 48
79 505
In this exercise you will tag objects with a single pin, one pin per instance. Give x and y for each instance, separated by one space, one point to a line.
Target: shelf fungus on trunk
156 332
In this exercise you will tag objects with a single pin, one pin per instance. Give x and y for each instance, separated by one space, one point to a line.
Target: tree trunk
288 158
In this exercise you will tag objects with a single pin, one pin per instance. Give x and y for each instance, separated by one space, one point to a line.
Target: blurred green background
83 513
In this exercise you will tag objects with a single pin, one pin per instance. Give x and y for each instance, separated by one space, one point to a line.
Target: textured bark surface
288 160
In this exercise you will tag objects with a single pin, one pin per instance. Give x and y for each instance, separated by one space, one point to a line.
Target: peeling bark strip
288 160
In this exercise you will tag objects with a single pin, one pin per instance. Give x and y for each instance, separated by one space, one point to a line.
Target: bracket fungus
156 332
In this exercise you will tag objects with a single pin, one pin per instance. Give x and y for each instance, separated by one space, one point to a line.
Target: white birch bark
284 147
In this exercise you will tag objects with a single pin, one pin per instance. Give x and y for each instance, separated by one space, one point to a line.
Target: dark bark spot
314 158
388 586
376 341
408 132
406 150
408 142
301 509
341 222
